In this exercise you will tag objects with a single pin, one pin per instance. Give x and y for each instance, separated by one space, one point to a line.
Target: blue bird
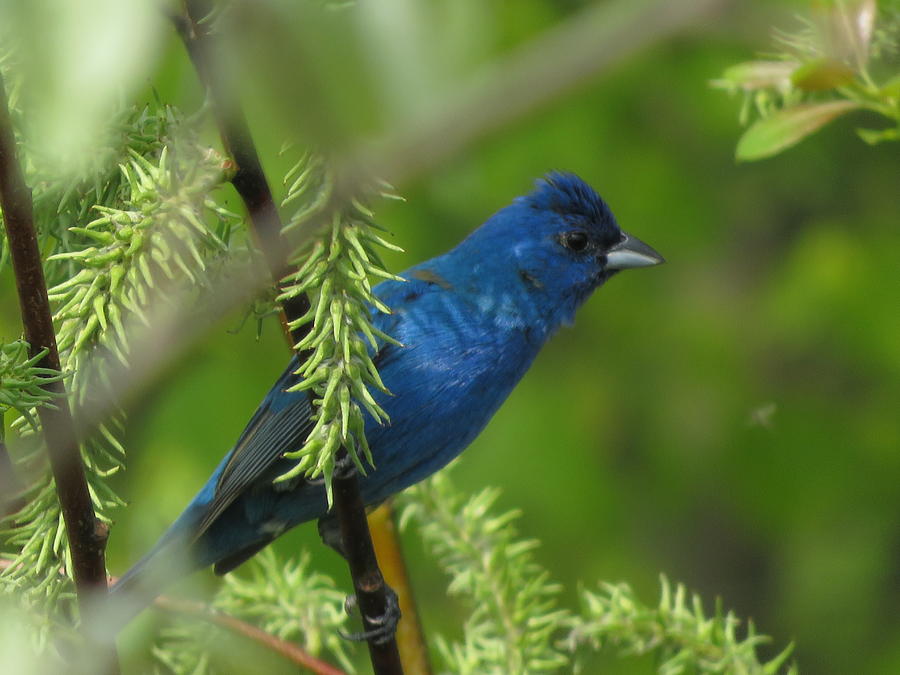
471 321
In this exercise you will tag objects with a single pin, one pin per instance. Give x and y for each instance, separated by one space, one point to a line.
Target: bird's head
557 244
568 228
563 240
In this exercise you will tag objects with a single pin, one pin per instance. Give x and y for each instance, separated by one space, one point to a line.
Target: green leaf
752 75
876 136
822 75
788 127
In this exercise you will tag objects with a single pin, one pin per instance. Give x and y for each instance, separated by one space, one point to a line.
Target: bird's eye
575 241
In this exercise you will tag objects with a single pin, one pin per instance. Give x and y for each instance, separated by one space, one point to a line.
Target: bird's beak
631 252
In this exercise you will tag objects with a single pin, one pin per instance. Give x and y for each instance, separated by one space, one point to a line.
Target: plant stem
197 609
250 183
542 71
87 537
288 650
249 179
86 534
371 591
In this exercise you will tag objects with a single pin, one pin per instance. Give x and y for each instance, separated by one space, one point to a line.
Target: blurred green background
729 419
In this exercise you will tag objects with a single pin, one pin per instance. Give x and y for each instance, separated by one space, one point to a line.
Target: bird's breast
452 374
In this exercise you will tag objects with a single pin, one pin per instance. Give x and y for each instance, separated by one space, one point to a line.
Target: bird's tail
167 562
146 576
136 590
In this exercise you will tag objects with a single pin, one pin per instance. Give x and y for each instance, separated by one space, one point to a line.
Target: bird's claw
384 626
344 466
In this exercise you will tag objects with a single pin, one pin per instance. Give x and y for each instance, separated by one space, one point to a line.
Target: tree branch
541 71
87 536
251 185
288 650
410 635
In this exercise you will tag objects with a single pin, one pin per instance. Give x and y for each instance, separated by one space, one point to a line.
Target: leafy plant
844 58
334 269
285 598
517 625
22 381
157 219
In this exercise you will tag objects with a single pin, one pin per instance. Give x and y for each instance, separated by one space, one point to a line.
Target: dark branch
249 179
371 590
250 183
87 535
410 633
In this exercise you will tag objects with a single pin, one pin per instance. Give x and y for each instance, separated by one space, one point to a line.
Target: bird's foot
383 627
344 466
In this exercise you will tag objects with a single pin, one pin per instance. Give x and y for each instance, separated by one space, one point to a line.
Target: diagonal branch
288 650
250 183
540 72
249 179
87 535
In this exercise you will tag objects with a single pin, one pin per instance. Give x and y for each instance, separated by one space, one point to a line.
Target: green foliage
285 598
186 646
22 381
157 222
20 640
161 224
515 614
333 269
677 632
289 599
516 626
784 128
844 59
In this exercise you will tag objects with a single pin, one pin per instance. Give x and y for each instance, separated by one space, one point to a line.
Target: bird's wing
280 424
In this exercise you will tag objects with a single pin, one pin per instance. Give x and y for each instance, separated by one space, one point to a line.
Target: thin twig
250 183
249 179
288 650
86 534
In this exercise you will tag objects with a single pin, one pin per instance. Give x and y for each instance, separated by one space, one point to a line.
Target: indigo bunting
470 323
